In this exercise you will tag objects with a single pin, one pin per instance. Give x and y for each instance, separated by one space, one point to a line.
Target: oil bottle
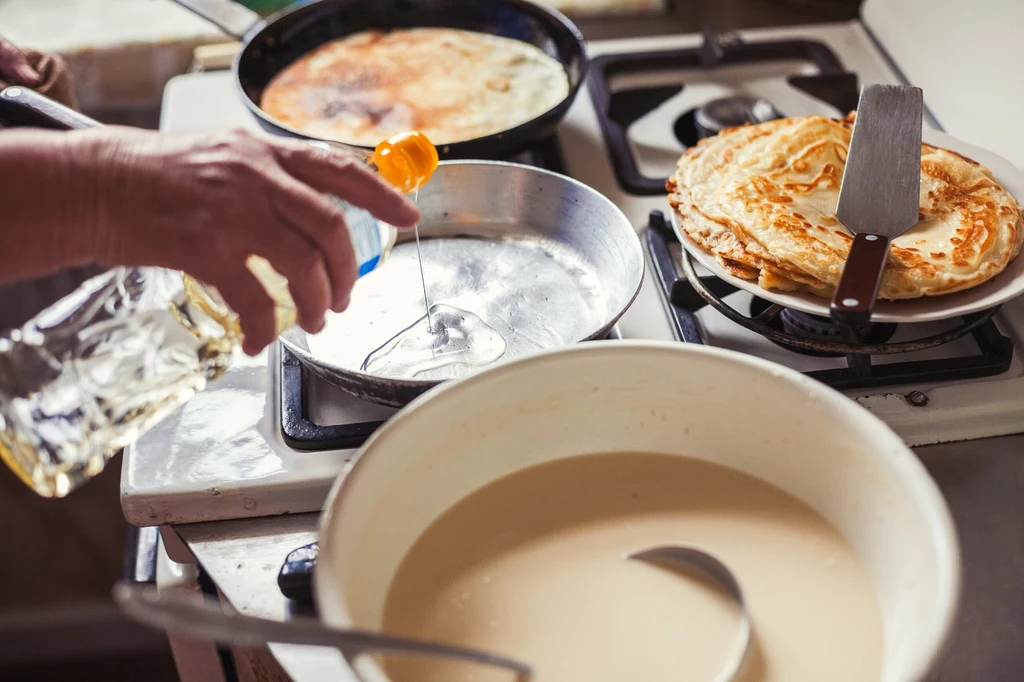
93 372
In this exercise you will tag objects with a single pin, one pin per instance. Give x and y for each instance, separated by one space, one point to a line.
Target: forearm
48 203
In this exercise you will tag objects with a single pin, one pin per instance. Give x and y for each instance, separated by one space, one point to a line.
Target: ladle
690 558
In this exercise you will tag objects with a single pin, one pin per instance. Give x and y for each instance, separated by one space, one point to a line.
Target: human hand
203 203
14 66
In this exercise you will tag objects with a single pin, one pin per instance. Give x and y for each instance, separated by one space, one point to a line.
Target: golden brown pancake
449 84
762 199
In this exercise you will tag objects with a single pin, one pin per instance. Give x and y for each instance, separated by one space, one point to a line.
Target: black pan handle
24 108
295 578
854 298
227 15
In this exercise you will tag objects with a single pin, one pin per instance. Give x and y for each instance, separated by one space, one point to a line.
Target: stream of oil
444 336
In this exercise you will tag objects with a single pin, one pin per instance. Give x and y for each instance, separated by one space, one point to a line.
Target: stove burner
729 112
802 324
814 328
617 110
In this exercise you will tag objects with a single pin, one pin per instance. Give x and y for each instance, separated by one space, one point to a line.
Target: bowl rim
936 635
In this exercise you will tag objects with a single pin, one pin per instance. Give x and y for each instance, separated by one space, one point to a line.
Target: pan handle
227 15
24 108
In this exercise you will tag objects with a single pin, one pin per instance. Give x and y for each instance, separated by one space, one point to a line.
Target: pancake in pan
449 84
762 199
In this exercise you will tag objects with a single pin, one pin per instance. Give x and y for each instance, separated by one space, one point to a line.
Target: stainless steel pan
544 260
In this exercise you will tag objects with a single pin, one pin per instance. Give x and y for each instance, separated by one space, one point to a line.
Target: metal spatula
879 197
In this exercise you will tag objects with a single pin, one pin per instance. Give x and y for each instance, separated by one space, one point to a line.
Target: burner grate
616 111
687 294
297 429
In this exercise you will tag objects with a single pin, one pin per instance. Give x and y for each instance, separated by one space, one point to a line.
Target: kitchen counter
66 26
120 52
72 25
980 479
690 16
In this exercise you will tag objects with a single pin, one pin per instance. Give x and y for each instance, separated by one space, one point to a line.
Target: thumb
15 67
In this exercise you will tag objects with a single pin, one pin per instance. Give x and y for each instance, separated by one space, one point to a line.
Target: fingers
334 173
322 222
14 65
246 296
302 264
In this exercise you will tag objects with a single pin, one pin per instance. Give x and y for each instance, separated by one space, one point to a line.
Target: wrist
80 208
48 222
111 176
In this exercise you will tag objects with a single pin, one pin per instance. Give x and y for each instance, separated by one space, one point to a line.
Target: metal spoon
690 558
206 620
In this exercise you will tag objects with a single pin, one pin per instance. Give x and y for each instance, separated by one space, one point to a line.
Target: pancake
449 84
761 199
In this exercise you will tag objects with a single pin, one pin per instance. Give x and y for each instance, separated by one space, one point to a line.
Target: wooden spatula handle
855 296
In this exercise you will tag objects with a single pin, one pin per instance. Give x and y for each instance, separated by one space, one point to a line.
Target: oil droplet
457 337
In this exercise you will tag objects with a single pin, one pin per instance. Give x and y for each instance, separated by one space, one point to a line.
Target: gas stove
269 438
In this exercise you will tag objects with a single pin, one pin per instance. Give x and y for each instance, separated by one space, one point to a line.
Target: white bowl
742 412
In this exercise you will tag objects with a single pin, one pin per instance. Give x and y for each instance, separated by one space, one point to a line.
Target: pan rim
317 364
528 6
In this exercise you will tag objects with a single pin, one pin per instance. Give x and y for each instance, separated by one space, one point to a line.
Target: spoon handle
202 619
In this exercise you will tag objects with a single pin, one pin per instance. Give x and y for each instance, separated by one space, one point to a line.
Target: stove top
281 435
677 96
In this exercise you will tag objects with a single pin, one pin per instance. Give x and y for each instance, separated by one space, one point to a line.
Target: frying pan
542 259
1003 287
271 45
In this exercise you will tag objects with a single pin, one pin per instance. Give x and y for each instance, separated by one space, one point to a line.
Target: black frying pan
268 46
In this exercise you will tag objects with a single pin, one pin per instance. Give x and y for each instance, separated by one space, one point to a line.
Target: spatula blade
881 186
879 198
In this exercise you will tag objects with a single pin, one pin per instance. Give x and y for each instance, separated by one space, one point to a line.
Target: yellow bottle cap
406 160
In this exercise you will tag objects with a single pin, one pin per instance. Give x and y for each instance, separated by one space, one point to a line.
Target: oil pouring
99 368
443 337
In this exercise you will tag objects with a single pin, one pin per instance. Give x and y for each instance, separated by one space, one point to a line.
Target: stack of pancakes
762 199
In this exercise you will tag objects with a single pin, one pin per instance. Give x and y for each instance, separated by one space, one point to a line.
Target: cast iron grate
687 293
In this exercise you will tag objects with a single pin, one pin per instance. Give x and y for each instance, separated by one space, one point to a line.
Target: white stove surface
222 456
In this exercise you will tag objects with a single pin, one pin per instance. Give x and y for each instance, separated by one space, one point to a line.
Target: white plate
1006 285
